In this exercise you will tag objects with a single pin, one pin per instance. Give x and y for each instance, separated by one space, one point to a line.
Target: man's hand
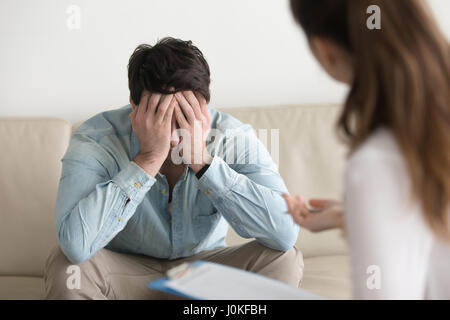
151 123
328 216
193 117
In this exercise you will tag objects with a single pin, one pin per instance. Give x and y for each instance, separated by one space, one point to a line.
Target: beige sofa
311 161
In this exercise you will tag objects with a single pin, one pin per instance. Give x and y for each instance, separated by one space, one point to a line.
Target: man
144 188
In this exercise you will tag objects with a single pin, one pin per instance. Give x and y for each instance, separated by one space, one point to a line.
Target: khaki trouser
112 275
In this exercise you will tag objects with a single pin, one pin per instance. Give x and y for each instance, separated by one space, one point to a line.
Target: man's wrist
206 161
149 163
200 173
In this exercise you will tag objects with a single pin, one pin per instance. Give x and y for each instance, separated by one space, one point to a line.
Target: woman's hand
324 215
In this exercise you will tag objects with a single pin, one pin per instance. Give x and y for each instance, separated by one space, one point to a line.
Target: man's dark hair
169 63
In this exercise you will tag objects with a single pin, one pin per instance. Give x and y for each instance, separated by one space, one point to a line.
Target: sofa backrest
310 157
30 168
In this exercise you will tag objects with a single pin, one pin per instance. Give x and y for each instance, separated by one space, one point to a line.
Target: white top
393 253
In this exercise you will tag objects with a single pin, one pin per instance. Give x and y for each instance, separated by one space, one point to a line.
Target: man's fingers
164 103
186 107
142 109
195 104
170 109
182 122
203 104
153 103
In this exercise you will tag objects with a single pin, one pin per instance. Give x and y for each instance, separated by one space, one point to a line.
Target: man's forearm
253 210
97 218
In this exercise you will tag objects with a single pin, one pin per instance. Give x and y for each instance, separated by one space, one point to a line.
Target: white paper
214 281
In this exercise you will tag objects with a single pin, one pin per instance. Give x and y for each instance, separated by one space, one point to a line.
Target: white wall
256 53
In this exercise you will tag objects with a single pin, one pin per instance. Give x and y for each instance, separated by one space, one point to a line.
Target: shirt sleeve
91 206
248 195
387 237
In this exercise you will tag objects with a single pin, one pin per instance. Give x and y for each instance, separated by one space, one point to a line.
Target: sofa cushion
30 168
328 276
21 288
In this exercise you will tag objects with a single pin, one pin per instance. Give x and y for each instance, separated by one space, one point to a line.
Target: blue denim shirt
107 200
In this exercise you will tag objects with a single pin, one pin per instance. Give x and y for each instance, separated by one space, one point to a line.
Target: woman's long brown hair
401 81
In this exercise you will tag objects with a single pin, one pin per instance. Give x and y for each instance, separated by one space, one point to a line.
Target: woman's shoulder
380 146
378 160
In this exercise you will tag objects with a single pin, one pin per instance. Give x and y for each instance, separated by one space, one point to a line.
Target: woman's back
394 253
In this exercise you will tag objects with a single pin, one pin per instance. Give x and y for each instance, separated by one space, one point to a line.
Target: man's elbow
285 244
73 250
285 239
278 245
74 254
288 238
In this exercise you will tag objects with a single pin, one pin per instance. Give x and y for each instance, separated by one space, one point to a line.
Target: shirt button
207 191
137 185
163 191
120 219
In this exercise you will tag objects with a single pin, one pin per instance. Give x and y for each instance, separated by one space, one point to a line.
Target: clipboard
204 280
163 284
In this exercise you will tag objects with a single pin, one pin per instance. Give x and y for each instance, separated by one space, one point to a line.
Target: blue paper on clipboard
212 281
162 283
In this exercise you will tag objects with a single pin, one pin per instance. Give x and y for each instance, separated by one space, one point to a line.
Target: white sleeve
388 240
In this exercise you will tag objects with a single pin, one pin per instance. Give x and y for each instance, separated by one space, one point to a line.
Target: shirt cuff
202 171
218 179
134 181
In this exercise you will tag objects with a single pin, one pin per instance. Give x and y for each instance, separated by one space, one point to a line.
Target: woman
396 120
